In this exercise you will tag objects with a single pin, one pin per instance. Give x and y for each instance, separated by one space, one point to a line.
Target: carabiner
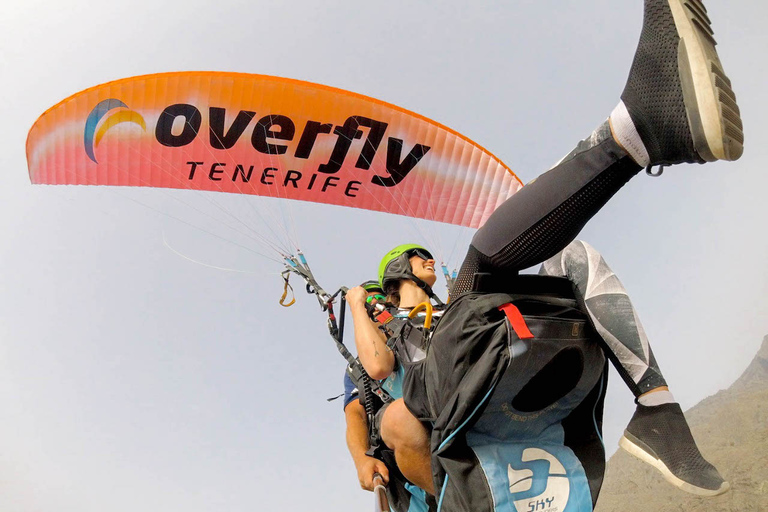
424 306
649 171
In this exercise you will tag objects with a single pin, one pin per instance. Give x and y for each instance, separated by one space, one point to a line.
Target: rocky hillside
731 429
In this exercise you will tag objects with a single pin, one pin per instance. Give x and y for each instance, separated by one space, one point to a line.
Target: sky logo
539 483
92 137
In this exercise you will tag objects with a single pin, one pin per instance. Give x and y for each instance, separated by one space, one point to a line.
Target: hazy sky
132 379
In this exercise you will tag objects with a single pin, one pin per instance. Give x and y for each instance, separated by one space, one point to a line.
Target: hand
366 468
357 295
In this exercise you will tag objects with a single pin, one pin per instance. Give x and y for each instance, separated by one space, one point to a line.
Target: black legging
548 213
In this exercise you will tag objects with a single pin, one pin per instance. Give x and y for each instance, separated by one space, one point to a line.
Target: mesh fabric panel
664 430
653 94
552 233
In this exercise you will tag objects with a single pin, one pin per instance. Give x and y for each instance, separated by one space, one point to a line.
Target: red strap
517 321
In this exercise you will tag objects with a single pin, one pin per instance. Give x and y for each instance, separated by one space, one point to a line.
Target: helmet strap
427 289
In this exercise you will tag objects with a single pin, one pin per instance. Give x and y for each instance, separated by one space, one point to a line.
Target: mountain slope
731 429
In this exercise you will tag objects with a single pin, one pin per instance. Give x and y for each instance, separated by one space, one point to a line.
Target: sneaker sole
710 103
636 451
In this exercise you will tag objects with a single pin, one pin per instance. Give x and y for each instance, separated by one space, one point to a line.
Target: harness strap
287 287
516 320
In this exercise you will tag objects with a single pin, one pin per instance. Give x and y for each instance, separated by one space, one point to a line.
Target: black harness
406 335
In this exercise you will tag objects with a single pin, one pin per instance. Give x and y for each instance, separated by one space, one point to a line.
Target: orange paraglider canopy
262 135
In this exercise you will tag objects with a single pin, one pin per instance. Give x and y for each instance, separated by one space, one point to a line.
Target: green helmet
395 265
372 286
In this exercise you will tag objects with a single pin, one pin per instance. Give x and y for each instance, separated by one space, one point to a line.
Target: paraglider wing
262 135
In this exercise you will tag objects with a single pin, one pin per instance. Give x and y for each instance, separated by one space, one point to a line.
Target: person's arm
377 359
357 443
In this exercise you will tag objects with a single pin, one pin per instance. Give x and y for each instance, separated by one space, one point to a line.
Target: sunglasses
421 253
377 298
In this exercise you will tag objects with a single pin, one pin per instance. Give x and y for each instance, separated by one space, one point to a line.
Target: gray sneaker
677 94
660 436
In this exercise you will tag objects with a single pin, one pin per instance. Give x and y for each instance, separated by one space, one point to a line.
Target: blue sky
134 379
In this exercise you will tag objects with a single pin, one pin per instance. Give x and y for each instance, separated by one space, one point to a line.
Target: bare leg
409 439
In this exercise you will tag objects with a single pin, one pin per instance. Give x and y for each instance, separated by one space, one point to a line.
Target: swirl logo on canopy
92 137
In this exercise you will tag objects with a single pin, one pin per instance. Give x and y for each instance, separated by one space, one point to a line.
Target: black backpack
512 386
